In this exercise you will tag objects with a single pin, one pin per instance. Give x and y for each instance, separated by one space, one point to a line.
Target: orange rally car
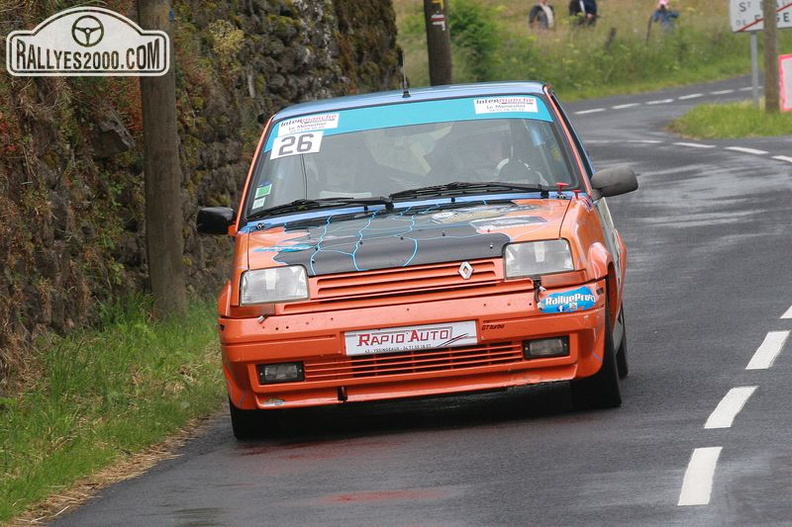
435 241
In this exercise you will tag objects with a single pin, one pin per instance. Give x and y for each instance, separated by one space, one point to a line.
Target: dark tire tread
621 353
601 390
246 424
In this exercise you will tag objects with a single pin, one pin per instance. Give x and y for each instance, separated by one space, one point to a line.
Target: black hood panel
344 244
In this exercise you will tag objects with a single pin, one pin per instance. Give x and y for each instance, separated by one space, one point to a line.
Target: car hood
344 243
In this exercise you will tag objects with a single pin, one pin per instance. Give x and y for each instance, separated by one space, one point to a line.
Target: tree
438 41
162 173
772 89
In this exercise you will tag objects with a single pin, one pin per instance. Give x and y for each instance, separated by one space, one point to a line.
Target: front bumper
503 322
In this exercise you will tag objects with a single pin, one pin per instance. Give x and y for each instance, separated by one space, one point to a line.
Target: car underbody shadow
410 415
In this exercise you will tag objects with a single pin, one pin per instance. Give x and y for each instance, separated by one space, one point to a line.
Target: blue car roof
484 89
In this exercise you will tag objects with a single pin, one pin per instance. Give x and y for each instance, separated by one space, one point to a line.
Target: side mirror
214 220
614 181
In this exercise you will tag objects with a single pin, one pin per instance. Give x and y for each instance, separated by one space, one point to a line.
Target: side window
575 138
609 232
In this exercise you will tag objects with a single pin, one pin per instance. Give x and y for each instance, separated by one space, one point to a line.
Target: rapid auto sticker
410 338
568 301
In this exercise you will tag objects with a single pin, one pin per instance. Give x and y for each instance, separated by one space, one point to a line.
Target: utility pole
771 82
438 41
162 172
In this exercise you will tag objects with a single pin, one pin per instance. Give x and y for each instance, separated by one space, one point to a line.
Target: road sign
785 73
746 15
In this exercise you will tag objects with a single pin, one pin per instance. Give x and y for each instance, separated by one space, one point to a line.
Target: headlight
278 284
537 258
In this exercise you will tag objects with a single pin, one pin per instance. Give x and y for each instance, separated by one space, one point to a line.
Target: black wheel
247 424
621 352
601 390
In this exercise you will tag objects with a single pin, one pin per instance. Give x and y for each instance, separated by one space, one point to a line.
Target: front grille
405 280
405 284
423 361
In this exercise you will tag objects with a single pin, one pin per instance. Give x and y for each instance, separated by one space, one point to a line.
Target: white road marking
768 350
787 314
658 101
695 145
783 158
697 485
731 404
645 141
746 150
748 88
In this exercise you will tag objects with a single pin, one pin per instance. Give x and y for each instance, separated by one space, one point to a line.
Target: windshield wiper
461 188
301 205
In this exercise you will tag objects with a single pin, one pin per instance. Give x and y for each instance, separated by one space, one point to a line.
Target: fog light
554 347
284 372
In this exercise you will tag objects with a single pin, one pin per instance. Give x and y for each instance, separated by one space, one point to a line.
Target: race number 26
290 145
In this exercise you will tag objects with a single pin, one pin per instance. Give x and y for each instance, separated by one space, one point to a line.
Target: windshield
379 151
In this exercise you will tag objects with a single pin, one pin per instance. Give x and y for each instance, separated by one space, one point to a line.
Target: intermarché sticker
308 123
87 41
505 104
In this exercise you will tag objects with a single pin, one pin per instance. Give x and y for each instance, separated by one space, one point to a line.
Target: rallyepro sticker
568 301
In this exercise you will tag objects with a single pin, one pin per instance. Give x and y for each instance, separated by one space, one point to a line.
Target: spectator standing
665 15
584 10
541 16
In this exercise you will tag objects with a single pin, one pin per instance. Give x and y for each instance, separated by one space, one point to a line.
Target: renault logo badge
465 270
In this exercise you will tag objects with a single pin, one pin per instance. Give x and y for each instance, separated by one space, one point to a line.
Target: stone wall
71 183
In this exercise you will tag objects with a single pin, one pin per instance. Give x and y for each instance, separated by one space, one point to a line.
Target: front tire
602 389
621 353
246 424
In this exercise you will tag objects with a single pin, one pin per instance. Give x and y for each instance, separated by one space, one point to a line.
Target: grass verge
731 121
623 53
98 397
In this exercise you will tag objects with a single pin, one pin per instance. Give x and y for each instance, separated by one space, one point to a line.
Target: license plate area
410 338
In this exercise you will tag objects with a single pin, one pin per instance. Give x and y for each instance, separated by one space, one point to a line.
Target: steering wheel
518 171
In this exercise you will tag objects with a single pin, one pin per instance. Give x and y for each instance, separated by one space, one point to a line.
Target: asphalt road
701 440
